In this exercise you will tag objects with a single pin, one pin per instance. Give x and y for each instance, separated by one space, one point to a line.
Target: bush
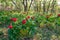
27 25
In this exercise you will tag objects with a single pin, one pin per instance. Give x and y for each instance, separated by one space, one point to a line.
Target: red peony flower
23 21
59 15
10 26
27 17
14 19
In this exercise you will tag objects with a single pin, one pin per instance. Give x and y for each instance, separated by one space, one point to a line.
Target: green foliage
31 27
44 24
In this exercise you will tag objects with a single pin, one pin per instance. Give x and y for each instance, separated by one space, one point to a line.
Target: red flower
23 21
59 15
10 26
14 19
27 17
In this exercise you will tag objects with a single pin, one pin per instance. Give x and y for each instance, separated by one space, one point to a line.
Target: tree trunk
25 5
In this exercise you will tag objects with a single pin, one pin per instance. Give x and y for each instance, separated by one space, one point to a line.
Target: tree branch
30 4
15 4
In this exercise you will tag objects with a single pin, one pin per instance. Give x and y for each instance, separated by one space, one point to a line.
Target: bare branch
15 4
31 3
